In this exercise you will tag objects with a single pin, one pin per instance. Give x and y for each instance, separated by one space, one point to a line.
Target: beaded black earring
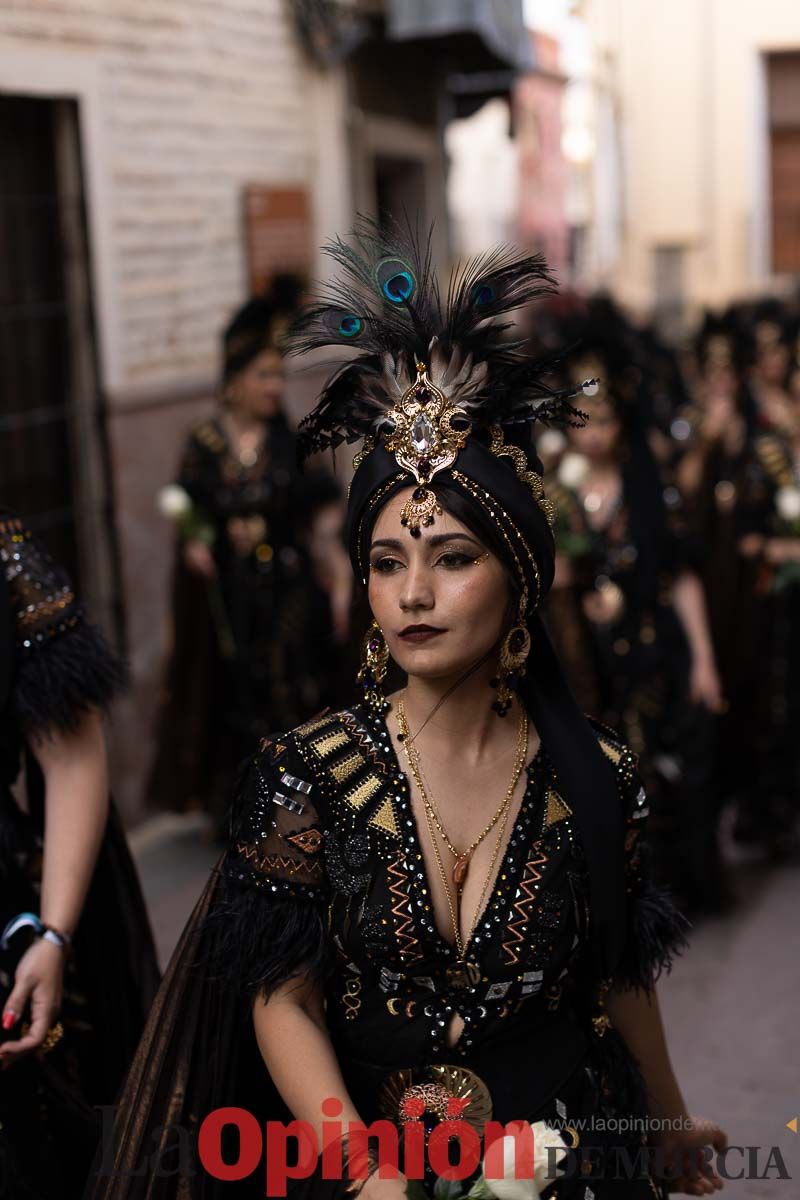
514 651
374 664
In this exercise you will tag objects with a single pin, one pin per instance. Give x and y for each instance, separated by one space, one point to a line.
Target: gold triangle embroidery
557 809
613 753
383 818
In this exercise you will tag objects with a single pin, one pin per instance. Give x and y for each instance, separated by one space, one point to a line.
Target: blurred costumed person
77 966
628 612
436 901
715 434
261 588
770 540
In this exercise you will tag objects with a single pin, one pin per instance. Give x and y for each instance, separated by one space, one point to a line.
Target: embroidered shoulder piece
339 753
62 665
279 838
42 598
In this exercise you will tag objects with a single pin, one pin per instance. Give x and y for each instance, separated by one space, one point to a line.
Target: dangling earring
514 651
374 663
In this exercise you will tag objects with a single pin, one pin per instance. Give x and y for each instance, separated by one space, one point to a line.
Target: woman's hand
38 981
199 559
687 1168
704 684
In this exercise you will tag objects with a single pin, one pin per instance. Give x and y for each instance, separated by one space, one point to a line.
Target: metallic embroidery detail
390 980
613 753
297 785
497 991
358 796
532 982
341 771
345 860
365 742
530 876
33 613
384 818
352 999
557 808
308 840
324 746
525 475
295 806
277 862
407 943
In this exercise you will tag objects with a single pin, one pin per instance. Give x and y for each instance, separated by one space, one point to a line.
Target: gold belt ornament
408 1094
53 1036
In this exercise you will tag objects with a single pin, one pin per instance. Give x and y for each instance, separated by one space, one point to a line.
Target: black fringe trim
57 683
656 936
622 1084
259 940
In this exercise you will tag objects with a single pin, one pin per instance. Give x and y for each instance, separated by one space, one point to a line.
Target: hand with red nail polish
9 1019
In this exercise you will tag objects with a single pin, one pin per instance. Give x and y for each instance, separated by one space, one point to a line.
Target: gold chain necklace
461 857
462 975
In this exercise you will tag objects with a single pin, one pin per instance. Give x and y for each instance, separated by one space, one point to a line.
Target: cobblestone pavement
729 1004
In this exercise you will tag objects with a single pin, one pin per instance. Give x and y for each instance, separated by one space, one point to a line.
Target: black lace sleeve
270 917
656 929
62 664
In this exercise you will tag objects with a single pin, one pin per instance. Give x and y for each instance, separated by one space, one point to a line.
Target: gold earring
374 664
514 651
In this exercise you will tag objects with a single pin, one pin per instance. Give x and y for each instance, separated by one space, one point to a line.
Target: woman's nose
417 592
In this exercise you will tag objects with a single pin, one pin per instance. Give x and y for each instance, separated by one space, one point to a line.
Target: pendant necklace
462 973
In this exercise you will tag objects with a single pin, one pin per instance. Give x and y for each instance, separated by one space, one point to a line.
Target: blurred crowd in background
677 598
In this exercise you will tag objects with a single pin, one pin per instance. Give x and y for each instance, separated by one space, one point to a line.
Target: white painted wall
685 80
182 103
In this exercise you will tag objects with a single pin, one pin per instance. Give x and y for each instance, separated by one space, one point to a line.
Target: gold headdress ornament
428 433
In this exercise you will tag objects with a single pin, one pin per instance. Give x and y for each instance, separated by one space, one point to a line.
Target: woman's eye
453 558
385 566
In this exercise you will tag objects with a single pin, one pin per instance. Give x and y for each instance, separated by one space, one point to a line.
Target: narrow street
729 1004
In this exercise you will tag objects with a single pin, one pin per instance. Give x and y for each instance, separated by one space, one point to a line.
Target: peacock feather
385 310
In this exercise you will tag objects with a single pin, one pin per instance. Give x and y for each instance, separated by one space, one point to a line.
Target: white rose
174 502
573 470
510 1187
551 444
787 502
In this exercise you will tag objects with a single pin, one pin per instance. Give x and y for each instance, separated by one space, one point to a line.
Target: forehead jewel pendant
428 434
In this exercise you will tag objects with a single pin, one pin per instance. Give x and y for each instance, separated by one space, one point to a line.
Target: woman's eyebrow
439 539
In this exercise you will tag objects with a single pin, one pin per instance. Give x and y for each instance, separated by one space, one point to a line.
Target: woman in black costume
77 966
396 952
252 625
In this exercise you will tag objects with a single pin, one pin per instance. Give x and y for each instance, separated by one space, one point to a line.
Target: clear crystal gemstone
421 433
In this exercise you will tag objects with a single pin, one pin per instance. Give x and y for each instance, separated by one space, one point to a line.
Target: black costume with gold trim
324 879
56 666
325 875
251 649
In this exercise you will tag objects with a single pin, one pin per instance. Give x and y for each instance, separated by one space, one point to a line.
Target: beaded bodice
331 822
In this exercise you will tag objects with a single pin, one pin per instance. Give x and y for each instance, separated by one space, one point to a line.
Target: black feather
657 933
388 291
56 683
258 940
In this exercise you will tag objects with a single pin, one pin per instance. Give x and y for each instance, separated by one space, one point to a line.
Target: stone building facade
131 133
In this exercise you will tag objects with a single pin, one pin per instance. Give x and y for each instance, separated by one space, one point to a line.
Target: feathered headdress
426 369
